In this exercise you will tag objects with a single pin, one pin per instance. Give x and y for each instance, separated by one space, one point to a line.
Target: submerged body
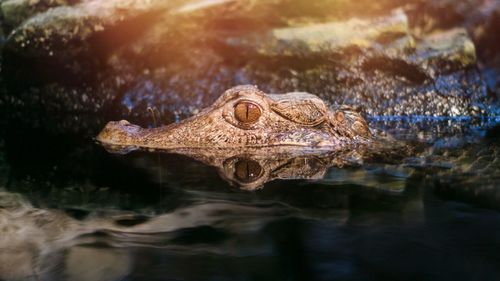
245 117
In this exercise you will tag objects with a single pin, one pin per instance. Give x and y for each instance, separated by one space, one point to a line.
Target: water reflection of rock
46 244
36 244
474 177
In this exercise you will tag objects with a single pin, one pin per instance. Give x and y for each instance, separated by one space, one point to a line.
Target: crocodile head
245 117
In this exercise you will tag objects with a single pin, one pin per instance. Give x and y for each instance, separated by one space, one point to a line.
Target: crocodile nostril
247 170
247 112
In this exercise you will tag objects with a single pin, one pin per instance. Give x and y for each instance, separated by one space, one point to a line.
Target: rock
73 26
446 51
14 12
389 34
66 30
74 40
480 18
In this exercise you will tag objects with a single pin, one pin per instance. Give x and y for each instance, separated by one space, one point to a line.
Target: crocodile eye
247 170
247 112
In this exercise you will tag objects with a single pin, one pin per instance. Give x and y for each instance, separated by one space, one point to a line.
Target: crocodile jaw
122 136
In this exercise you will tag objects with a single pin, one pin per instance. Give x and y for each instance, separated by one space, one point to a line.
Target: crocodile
246 117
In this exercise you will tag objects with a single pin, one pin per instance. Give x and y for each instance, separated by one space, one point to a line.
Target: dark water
72 211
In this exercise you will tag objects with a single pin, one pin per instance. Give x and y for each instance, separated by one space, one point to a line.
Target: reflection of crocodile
251 169
244 117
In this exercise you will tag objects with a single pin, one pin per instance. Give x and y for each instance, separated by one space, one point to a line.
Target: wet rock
77 39
65 38
388 34
480 18
14 12
466 181
76 25
447 51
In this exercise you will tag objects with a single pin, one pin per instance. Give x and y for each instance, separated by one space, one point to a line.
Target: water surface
72 211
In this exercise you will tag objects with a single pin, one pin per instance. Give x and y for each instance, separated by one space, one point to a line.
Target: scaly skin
293 120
